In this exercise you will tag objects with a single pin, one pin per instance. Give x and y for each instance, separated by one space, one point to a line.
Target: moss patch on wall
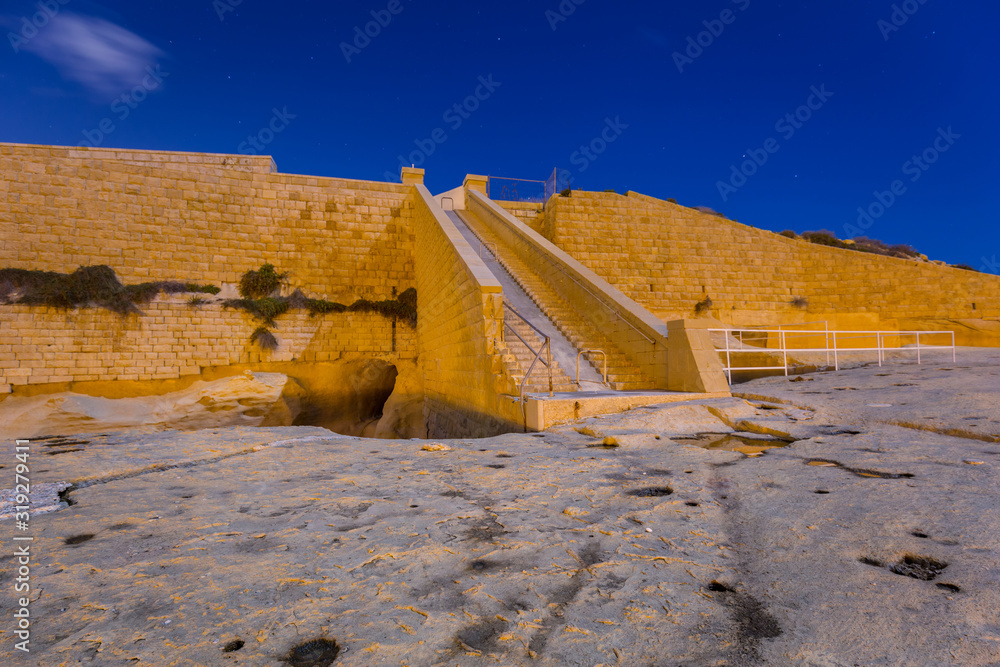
267 309
88 286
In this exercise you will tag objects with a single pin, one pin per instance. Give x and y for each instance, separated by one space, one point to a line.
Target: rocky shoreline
856 526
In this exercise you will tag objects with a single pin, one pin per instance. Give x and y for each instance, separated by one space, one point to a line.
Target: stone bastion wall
202 218
670 258
207 219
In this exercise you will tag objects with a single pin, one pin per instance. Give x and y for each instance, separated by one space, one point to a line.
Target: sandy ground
873 539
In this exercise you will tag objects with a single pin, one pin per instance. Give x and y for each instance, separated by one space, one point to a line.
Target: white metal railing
546 349
777 342
583 352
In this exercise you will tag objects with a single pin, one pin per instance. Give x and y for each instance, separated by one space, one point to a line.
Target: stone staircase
623 374
520 357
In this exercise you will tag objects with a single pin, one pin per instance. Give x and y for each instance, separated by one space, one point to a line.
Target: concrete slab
543 411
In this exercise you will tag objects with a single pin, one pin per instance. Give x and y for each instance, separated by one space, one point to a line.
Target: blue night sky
616 94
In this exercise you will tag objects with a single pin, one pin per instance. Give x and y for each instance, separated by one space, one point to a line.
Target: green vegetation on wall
88 286
259 287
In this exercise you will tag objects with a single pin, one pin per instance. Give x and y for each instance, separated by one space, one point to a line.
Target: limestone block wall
172 340
634 330
195 163
530 213
669 258
206 218
460 306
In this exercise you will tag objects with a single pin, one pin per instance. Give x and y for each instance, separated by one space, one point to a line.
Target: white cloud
104 57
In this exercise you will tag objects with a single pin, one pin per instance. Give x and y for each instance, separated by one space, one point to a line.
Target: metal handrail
521 317
526 343
546 347
829 337
581 353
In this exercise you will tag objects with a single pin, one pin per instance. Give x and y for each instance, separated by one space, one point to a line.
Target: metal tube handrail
546 347
524 380
537 353
581 353
832 343
521 317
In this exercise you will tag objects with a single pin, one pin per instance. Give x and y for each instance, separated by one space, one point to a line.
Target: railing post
878 344
918 348
826 339
784 351
548 352
836 358
729 360
954 356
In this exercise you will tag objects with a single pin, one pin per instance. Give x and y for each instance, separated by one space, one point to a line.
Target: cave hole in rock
234 645
918 567
314 653
351 401
914 566
718 587
651 492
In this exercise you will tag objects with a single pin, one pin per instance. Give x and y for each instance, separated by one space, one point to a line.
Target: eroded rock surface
860 543
250 399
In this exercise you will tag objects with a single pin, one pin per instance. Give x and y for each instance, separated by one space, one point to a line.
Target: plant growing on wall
261 283
264 339
800 302
704 305
88 286
258 287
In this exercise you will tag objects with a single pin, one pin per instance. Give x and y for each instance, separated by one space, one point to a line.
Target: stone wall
669 258
530 213
460 306
202 218
172 340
